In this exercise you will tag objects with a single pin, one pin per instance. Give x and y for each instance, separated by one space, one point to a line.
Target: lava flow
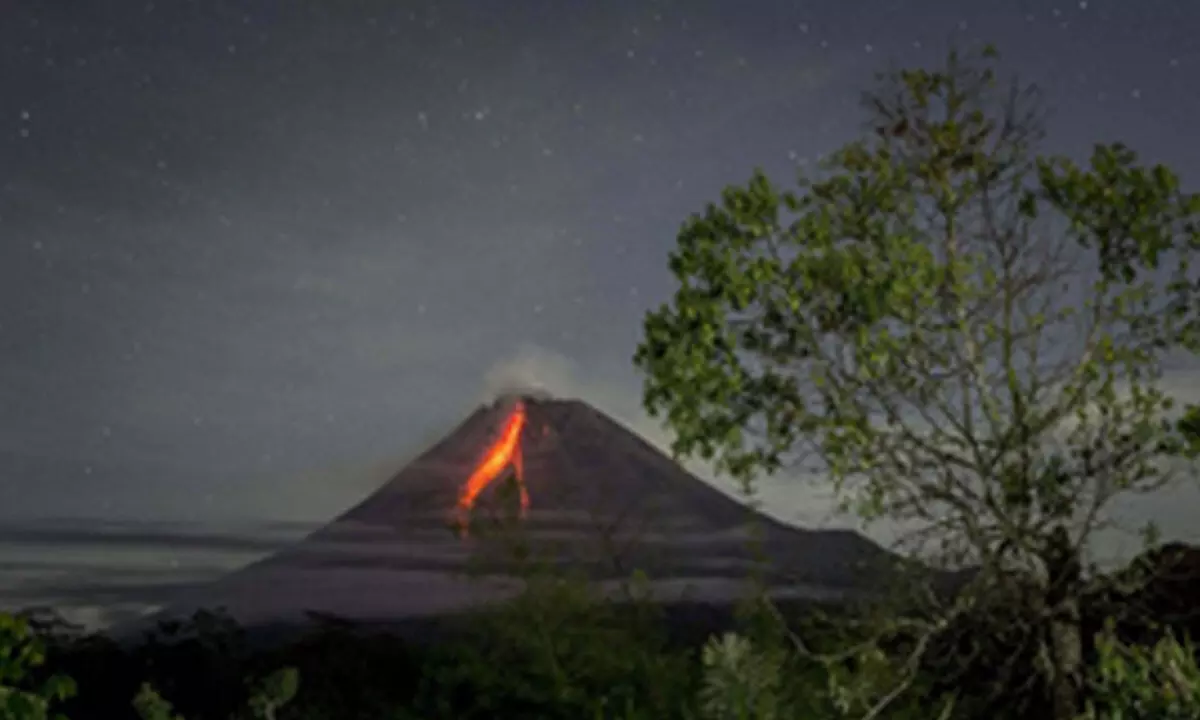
505 451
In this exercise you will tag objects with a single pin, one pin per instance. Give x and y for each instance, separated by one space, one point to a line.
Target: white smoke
534 370
531 370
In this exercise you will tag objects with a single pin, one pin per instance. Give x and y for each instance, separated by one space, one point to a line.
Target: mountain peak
595 498
529 396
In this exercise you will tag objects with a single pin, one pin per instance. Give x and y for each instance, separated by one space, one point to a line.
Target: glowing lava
504 452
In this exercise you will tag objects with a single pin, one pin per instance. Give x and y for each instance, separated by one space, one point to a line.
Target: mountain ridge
602 501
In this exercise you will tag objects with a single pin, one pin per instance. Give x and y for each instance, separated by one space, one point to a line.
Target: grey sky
255 253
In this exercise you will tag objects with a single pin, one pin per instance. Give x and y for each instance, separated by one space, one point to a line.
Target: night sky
255 254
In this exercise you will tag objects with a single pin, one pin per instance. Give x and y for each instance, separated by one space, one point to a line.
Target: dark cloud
96 572
149 535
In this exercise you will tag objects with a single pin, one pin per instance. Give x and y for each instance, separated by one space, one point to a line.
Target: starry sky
254 254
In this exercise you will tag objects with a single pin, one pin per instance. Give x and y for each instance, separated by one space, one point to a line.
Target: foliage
349 673
152 706
265 698
966 337
739 681
558 651
583 658
22 653
209 644
1131 682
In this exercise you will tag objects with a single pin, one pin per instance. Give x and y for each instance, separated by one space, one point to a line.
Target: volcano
554 481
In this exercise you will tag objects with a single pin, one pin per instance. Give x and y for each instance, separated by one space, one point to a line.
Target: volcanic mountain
569 485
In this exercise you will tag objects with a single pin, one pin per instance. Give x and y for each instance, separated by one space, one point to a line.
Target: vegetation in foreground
971 338
555 652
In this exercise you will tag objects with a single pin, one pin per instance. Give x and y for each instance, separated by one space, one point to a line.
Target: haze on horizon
256 254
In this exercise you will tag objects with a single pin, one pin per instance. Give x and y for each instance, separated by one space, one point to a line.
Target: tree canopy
962 334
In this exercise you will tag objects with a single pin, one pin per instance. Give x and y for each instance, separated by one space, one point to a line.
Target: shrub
22 654
266 697
557 651
739 681
1134 682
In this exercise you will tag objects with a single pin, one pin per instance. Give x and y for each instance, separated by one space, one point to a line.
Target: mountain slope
601 501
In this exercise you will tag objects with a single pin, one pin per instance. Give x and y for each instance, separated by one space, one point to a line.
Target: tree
968 338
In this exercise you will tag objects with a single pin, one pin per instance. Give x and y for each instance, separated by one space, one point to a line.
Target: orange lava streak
504 452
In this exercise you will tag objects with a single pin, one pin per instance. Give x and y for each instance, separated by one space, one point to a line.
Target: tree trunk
1064 673
1066 648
